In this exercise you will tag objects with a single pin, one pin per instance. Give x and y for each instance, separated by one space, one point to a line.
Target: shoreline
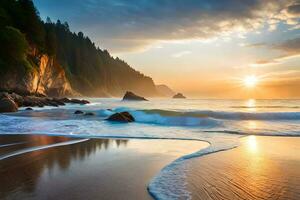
261 167
132 167
127 164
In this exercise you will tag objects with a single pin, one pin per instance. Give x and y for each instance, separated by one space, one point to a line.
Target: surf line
11 144
38 148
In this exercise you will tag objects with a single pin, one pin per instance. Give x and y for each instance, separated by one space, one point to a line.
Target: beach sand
261 168
93 169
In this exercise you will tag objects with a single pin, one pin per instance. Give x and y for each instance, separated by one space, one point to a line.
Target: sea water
219 122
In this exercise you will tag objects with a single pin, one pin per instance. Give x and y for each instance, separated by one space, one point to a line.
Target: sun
250 81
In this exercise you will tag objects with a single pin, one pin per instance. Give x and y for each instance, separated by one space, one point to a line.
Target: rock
8 105
131 96
78 112
58 101
77 101
65 100
4 95
179 96
28 108
33 100
89 114
85 101
17 99
121 117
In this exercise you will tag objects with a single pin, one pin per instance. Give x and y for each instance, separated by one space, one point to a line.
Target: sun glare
250 81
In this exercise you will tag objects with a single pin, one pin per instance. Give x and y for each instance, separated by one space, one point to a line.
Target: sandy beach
92 169
54 167
260 168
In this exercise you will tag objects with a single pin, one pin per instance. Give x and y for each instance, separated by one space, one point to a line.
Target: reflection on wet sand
34 163
93 169
261 168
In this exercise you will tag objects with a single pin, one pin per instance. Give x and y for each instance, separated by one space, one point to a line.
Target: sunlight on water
252 124
252 144
251 104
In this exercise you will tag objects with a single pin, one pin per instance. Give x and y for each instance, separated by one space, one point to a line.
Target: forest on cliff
24 38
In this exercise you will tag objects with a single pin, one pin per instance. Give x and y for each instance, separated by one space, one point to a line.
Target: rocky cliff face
47 78
50 78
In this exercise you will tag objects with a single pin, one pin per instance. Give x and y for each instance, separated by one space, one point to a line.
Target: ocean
219 122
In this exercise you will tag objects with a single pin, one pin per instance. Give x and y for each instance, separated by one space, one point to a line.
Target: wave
224 115
38 148
170 182
144 117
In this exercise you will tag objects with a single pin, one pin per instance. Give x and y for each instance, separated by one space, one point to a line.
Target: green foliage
30 23
4 19
50 43
87 67
23 15
13 44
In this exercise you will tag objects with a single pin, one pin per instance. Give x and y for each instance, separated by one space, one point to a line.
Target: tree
4 19
50 43
13 44
28 21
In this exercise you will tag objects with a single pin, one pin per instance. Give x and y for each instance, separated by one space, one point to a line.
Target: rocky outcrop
179 96
89 114
78 112
133 97
11 102
7 105
50 78
46 79
121 117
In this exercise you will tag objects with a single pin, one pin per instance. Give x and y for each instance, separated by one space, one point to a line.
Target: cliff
48 58
47 78
50 78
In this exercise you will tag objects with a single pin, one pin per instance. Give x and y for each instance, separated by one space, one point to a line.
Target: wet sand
44 167
261 168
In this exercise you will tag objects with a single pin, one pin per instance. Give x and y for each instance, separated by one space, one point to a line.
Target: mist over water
219 122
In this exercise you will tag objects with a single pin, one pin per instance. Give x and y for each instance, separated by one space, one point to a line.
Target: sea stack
133 97
121 117
179 96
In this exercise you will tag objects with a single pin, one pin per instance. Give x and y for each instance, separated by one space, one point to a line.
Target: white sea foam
23 151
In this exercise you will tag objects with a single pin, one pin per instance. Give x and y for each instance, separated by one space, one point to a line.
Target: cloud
180 54
260 44
282 77
136 23
289 49
291 46
294 10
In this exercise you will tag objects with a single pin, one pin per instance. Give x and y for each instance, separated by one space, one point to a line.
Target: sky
202 48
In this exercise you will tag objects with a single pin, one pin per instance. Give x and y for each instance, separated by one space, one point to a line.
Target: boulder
78 101
121 117
179 96
89 114
131 96
78 112
4 95
28 108
8 105
58 101
65 100
17 99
